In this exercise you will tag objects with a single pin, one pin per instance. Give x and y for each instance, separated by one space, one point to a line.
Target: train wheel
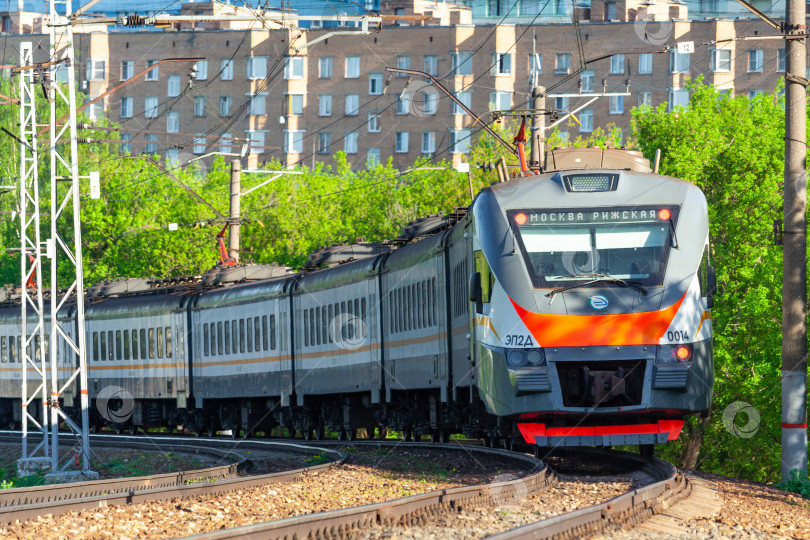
319 433
351 434
209 429
341 434
307 433
132 429
118 428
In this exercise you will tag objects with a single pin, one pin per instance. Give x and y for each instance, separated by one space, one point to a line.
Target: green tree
732 148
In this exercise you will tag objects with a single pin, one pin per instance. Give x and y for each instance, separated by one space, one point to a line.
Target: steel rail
27 503
630 508
399 512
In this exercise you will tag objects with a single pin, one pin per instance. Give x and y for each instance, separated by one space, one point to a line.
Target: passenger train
567 308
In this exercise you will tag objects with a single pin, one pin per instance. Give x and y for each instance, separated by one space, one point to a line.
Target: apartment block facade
301 103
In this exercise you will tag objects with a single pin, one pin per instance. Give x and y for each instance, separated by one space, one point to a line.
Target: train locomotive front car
591 298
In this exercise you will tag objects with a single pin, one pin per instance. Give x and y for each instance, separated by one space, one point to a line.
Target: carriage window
159 332
318 334
250 335
241 335
306 328
134 344
273 332
265 331
213 339
95 347
143 343
3 350
103 346
151 343
110 341
433 287
220 350
126 345
227 337
234 336
119 348
363 317
312 327
257 333
324 325
206 338
168 330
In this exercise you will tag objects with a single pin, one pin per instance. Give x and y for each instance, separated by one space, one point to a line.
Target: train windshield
566 246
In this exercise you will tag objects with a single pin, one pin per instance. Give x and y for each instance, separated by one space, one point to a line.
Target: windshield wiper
598 278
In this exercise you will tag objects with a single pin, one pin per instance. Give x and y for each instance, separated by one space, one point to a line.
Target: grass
317 459
798 483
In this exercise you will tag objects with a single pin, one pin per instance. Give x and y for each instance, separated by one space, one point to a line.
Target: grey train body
474 328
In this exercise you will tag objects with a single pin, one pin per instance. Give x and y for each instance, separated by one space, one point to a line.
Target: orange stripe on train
644 328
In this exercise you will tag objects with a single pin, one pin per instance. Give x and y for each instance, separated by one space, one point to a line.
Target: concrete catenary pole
235 209
538 126
794 284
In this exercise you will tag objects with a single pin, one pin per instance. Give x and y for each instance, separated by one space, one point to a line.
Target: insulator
84 140
132 20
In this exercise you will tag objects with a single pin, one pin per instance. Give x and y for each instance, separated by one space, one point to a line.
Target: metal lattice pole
32 350
65 172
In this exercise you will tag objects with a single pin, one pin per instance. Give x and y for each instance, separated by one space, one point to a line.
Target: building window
587 81
325 68
294 67
325 105
466 99
403 62
324 141
429 102
781 61
501 63
561 103
616 104
755 60
295 104
225 103
720 60
645 99
151 143
150 105
127 69
402 142
754 93
462 63
500 101
460 141
374 122
645 63
174 86
352 67
96 110
152 75
535 64
256 67
226 67
173 122
293 141
225 142
350 143
428 142
256 105
200 70
126 145
563 65
172 156
431 64
373 157
199 143
375 84
586 121
610 11
403 103
678 63
199 106
256 139
352 105
95 70
126 107
678 98
617 64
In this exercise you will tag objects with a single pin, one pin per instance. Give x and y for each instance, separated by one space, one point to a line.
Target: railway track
27 503
664 488
667 487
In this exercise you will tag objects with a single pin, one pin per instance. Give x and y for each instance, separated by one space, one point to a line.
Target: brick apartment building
303 106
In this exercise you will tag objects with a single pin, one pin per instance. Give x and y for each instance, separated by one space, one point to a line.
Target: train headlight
536 357
516 357
673 354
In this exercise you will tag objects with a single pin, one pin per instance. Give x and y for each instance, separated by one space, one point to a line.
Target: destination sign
595 215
